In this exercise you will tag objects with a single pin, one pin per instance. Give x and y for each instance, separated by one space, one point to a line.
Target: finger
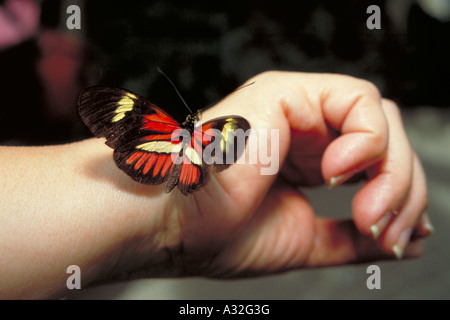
395 197
284 235
339 242
358 115
399 231
423 229
311 104
376 203
268 139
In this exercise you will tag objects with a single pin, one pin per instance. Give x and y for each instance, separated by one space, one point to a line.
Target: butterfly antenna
176 90
237 89
242 87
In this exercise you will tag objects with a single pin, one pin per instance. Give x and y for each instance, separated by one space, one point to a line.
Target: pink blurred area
19 20
59 67
50 54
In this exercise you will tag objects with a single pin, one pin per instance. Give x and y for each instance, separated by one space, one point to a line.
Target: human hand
242 223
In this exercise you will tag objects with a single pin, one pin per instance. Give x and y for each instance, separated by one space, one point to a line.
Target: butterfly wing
218 143
139 132
147 141
224 140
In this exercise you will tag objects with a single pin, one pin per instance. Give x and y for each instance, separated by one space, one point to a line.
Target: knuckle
370 89
390 106
268 75
362 87
380 143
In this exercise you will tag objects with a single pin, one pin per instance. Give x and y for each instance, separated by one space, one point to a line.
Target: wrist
129 218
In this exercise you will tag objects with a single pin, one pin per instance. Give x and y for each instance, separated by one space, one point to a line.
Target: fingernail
335 181
426 223
403 240
379 227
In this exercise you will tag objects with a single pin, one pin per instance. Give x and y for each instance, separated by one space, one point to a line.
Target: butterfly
152 147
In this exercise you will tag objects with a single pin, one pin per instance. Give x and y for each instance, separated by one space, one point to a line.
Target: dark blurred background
210 48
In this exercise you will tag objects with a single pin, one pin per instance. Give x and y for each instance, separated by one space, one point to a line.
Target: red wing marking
160 126
189 174
205 127
167 136
141 161
161 117
159 164
150 163
167 165
134 157
173 136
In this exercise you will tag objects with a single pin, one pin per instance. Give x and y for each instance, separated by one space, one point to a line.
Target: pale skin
70 205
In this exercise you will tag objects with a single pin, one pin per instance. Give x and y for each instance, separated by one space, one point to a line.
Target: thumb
339 242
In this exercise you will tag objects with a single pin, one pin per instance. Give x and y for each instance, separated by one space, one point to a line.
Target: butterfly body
151 146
